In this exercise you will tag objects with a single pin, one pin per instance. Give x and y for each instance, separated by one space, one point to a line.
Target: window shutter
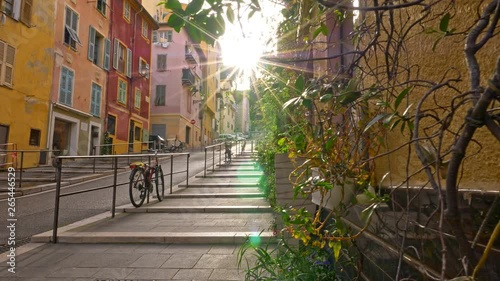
115 54
91 50
107 50
129 63
9 66
2 50
26 12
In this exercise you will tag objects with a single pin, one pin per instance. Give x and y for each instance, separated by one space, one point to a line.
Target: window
7 6
66 86
35 137
122 58
95 103
126 10
101 6
26 11
99 48
143 68
154 36
71 29
161 60
111 124
166 36
189 101
137 133
144 28
122 91
137 102
7 55
160 95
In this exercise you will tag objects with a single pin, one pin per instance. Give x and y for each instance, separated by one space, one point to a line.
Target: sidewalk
194 234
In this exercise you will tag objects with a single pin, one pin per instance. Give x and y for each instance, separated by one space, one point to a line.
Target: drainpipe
110 69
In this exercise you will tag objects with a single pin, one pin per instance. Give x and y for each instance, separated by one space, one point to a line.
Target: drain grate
4 247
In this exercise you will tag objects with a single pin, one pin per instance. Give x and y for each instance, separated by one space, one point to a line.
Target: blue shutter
107 50
91 50
129 63
115 53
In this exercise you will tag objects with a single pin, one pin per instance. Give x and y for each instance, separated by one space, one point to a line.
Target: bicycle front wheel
137 188
160 183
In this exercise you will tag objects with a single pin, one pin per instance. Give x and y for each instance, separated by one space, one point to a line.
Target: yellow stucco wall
481 169
25 105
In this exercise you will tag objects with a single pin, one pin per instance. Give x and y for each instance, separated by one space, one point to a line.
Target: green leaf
373 121
193 32
350 97
443 25
400 97
367 213
323 29
230 14
336 246
173 5
175 22
435 43
300 84
329 144
290 102
307 103
194 6
256 4
326 97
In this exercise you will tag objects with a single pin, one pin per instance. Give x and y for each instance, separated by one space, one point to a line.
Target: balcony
188 77
189 51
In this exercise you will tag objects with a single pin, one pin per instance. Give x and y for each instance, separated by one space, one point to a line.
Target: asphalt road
35 212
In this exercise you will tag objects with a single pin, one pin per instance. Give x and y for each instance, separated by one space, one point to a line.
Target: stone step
235 175
198 209
216 195
219 184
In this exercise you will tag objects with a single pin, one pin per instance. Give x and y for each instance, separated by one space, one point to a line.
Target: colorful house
26 61
81 64
176 82
128 99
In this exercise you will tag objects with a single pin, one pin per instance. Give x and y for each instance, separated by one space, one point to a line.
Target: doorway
94 140
4 137
61 140
131 137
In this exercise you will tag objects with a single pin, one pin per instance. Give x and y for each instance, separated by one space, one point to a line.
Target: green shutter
107 50
91 50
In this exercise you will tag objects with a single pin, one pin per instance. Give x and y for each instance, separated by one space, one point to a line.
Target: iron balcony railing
188 77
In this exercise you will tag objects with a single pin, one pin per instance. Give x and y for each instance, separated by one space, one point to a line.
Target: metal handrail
58 166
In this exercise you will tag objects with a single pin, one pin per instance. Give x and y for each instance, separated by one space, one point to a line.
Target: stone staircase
225 206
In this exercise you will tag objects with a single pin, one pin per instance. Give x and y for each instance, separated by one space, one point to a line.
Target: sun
241 52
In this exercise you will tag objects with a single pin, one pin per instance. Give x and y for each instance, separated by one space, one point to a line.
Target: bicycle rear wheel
160 183
137 187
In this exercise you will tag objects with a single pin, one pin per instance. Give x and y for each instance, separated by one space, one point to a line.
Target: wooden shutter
129 63
2 50
91 50
8 65
107 50
115 53
26 12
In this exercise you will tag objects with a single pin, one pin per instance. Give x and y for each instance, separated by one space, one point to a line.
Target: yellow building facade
26 62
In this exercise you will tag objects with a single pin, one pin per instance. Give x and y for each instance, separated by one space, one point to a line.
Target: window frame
161 62
126 10
70 29
68 92
137 98
115 120
144 29
121 95
160 100
143 65
36 138
103 4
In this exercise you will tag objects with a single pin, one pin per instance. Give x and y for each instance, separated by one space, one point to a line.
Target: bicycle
141 181
227 153
176 148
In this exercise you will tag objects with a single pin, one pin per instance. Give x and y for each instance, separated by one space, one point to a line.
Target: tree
413 100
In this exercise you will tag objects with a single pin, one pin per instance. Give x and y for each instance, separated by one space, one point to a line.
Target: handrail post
213 159
21 174
187 170
58 166
205 170
171 172
220 154
115 173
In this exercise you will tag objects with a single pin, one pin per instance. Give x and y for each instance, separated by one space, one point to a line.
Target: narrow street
35 212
